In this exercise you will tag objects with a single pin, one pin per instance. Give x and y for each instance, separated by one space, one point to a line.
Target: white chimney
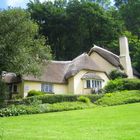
125 57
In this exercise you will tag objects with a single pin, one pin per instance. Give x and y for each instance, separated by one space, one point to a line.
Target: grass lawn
101 123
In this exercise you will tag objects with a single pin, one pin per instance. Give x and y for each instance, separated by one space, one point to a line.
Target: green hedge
59 98
117 98
16 110
122 84
35 93
84 99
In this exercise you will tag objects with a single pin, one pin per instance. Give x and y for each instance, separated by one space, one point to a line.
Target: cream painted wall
57 88
102 62
79 87
20 89
60 89
29 85
71 85
79 83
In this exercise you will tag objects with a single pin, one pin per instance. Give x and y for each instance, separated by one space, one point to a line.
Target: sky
14 3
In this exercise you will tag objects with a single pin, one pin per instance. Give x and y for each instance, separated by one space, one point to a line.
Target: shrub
83 99
117 98
16 110
35 93
65 106
115 74
60 98
122 84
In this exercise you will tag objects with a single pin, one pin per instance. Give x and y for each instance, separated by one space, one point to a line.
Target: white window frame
94 83
47 87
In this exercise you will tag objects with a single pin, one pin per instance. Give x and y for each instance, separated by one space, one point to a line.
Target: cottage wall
79 84
29 85
60 88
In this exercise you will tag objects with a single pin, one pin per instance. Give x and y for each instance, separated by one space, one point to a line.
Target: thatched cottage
82 75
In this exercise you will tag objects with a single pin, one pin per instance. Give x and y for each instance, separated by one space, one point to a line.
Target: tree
131 15
74 27
130 12
119 3
104 3
22 49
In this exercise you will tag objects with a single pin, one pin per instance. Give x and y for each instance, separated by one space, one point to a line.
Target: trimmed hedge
118 98
122 84
59 98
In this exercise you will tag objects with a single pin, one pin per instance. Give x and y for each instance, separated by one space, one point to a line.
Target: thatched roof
110 57
82 62
53 72
11 78
107 55
90 75
60 71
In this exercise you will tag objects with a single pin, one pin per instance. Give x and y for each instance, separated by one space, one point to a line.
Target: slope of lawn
101 123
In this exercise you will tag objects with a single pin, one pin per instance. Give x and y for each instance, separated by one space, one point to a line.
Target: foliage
59 98
119 3
117 98
83 99
130 12
104 123
35 93
3 93
16 110
114 74
64 106
22 49
122 84
72 28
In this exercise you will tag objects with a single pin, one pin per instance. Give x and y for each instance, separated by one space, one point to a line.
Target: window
46 88
88 84
93 83
15 88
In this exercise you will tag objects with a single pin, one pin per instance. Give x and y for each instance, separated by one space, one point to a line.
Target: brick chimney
125 59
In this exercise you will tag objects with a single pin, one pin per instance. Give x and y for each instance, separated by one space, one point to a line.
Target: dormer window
92 81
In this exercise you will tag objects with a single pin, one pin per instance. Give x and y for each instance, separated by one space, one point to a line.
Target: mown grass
101 123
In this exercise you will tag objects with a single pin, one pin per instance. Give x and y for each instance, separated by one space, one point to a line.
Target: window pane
46 87
88 83
98 84
93 83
